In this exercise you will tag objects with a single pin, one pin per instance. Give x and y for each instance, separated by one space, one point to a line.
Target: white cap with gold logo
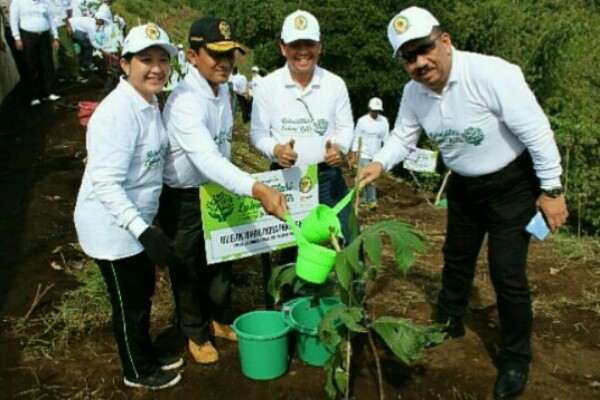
410 24
144 36
300 25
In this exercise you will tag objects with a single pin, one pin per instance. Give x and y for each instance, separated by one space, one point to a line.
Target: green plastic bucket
305 319
318 224
263 344
314 262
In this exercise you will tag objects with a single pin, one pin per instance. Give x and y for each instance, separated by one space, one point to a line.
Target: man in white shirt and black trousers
301 113
498 143
32 25
199 123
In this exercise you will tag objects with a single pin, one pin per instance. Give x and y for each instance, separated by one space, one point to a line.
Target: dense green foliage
556 42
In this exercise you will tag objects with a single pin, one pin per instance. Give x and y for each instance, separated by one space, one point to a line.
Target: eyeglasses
424 48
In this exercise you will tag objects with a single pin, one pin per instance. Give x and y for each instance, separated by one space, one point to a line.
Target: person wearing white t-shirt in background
505 164
254 82
240 89
200 126
118 200
301 115
374 130
32 25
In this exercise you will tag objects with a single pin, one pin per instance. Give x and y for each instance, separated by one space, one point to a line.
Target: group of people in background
55 40
143 166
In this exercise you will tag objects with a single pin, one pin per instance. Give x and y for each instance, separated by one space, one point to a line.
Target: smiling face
302 56
215 67
147 71
428 60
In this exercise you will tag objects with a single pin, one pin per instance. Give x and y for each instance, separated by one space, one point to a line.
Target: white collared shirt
373 133
61 8
282 111
240 84
33 16
200 128
485 117
118 198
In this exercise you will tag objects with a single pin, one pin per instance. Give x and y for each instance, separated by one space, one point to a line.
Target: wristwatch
553 192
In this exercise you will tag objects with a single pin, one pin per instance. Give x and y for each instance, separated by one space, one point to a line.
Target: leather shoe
510 384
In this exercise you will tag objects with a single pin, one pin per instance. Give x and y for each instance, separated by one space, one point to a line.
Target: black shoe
158 380
170 364
510 383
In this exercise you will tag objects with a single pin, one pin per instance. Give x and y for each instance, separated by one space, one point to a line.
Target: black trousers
499 204
245 106
130 283
201 291
37 51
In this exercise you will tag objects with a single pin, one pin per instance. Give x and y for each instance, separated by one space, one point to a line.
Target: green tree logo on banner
220 207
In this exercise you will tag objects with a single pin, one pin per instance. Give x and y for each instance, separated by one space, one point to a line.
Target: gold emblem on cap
152 32
225 30
401 25
300 23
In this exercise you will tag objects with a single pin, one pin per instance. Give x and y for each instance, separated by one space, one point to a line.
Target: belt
34 33
523 160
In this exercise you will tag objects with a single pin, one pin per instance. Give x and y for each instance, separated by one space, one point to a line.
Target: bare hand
286 156
272 201
554 210
369 173
19 45
333 154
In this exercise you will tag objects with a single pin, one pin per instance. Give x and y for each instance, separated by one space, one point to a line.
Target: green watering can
317 226
313 262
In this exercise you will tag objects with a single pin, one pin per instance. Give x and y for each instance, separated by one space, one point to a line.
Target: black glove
157 247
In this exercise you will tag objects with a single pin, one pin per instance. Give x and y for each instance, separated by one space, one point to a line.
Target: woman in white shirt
118 200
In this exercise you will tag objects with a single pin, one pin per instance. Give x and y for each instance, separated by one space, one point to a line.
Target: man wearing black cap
199 124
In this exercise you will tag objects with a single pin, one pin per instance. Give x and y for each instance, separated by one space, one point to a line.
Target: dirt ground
41 158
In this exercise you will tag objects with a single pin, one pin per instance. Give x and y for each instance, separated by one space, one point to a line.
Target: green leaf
280 276
373 247
406 339
340 380
343 270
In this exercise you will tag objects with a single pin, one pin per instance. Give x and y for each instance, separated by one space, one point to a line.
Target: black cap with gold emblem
215 34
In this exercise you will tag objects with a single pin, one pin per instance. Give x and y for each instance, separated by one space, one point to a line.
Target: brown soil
41 158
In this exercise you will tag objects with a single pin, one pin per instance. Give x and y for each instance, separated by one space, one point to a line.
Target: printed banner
421 160
237 227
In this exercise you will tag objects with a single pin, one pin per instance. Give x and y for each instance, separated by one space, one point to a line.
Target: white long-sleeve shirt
373 133
200 127
240 84
61 10
32 16
282 111
88 26
483 119
118 198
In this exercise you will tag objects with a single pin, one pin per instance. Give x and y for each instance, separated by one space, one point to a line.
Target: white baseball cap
412 23
144 36
255 69
375 104
300 25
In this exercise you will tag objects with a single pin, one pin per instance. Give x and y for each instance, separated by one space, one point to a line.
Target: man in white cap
301 113
498 143
254 82
374 129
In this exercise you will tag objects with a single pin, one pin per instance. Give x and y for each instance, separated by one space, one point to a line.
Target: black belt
33 33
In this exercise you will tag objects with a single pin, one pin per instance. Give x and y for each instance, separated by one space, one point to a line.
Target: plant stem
356 182
377 365
348 359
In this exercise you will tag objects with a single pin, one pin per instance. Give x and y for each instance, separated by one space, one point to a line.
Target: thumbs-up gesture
333 154
286 156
